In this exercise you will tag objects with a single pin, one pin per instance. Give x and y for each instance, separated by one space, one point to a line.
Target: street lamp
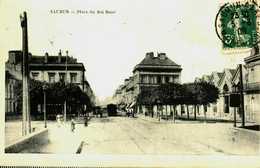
44 104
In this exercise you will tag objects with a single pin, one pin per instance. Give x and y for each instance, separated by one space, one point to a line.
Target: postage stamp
236 25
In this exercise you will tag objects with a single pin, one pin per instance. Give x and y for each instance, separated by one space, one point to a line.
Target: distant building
150 72
44 68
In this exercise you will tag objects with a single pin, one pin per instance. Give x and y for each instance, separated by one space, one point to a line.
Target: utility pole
44 105
241 96
66 77
26 126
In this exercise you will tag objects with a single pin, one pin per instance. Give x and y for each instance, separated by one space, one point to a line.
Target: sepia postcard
127 83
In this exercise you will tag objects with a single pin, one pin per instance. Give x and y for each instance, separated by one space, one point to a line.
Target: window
73 77
159 79
35 75
152 80
142 79
215 109
62 77
167 79
51 77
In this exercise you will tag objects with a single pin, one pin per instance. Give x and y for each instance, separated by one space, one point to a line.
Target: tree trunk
205 113
181 110
195 112
175 113
166 113
157 110
188 115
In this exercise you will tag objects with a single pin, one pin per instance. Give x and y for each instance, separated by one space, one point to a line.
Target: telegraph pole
26 127
66 76
241 96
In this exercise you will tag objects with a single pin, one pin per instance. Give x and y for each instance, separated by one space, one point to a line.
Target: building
150 72
225 89
252 85
44 68
228 82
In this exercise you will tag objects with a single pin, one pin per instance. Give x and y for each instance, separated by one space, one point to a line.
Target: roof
220 74
161 61
232 71
52 59
156 61
254 55
46 62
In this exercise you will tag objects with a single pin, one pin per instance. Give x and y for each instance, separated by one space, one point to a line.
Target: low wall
30 141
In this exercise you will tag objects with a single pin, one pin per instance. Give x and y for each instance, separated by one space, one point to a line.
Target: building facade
150 72
46 68
252 85
228 82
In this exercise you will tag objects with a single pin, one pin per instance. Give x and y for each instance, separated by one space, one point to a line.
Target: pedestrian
72 125
132 111
86 121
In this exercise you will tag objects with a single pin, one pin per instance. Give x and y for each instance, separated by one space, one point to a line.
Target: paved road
121 135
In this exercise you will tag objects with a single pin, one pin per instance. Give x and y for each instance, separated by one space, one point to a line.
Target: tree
148 96
190 96
200 93
170 94
208 93
56 93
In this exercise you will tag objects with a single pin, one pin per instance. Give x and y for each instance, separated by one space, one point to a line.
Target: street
126 135
119 135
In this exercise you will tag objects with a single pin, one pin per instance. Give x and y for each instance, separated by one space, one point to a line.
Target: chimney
59 57
162 56
67 55
126 80
149 55
46 58
15 56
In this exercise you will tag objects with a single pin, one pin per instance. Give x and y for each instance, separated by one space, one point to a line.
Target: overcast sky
110 45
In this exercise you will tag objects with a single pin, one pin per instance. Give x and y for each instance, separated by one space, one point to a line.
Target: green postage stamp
236 25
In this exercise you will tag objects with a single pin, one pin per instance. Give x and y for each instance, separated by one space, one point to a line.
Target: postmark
236 25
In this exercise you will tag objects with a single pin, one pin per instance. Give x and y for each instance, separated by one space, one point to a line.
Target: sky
110 45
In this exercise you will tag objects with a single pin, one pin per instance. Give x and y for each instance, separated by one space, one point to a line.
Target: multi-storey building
252 85
229 82
150 72
44 68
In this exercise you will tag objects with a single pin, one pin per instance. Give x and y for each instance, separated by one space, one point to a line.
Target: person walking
72 125
86 121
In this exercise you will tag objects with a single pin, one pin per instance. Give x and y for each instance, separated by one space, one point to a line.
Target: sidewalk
61 140
169 121
13 130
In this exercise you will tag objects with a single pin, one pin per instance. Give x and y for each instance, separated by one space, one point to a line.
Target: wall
28 142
